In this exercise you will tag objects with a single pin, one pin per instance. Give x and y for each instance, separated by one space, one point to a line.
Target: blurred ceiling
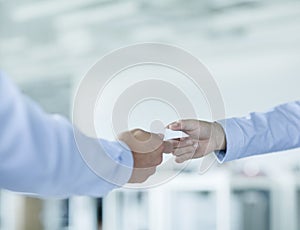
62 38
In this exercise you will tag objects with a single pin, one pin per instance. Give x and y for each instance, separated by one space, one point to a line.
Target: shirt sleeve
259 133
39 154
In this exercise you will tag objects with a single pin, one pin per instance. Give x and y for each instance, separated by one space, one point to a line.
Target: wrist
220 137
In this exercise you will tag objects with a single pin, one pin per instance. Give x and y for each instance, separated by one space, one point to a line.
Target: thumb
183 125
170 145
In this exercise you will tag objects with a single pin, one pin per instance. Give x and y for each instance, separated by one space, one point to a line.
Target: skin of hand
147 150
204 138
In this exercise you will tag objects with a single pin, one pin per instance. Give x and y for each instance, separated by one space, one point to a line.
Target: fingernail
174 124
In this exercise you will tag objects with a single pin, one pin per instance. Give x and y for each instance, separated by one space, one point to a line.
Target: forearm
94 171
39 154
275 130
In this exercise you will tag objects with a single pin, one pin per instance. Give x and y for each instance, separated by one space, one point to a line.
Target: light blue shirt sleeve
39 155
259 133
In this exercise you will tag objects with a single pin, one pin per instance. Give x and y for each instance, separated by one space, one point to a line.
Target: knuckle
177 152
135 130
139 131
141 180
159 160
161 148
155 161
179 160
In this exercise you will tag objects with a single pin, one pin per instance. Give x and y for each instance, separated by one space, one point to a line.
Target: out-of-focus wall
251 46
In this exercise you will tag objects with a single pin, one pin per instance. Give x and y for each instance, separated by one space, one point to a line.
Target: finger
156 140
156 157
176 125
184 150
148 159
184 157
141 175
142 135
170 145
186 141
147 173
146 142
183 125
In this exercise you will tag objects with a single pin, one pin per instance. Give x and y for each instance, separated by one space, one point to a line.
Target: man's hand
204 138
147 149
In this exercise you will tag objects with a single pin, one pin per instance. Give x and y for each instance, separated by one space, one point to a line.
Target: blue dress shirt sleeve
39 155
259 133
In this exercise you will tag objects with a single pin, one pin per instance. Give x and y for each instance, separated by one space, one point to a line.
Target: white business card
170 134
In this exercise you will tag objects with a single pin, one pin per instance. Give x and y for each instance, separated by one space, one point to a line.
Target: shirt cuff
121 154
234 141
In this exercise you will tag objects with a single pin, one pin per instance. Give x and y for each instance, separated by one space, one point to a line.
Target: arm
38 152
39 155
275 130
234 138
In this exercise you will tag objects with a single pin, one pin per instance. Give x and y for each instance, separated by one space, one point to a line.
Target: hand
147 149
204 138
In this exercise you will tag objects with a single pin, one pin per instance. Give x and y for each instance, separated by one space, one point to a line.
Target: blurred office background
252 48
